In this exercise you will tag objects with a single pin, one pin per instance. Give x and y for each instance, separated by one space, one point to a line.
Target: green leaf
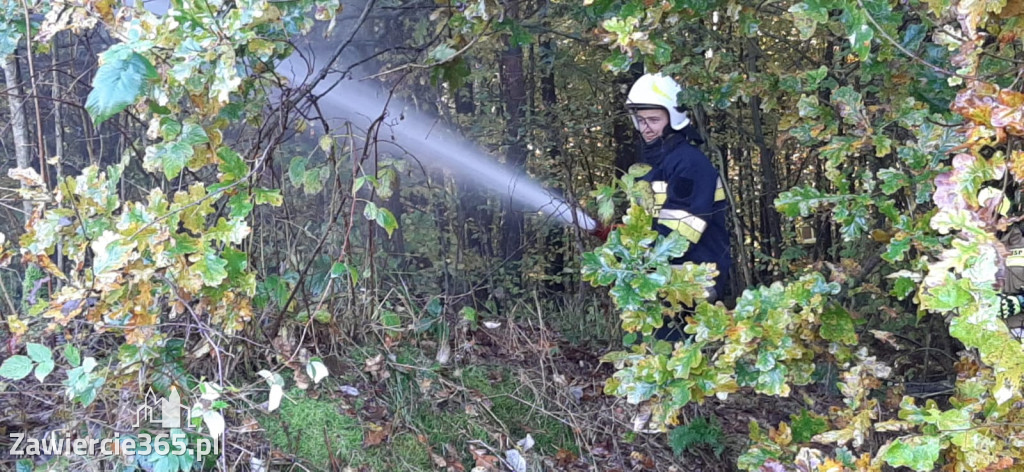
370 211
16 367
232 166
72 354
918 453
43 369
193 135
38 352
640 391
111 252
239 205
617 62
837 326
662 52
441 53
946 297
169 129
682 362
626 297
902 287
297 171
749 24
211 268
271 197
118 83
860 33
806 425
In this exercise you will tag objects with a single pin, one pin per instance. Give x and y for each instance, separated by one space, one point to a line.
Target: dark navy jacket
690 199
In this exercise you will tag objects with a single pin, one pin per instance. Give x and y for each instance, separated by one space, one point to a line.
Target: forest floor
514 397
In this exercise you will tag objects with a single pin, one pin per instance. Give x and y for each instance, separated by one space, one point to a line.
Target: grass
514 405
422 422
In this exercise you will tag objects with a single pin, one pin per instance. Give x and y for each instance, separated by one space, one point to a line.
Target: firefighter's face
651 123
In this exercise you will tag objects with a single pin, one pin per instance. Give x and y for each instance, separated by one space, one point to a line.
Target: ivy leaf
918 453
118 83
16 367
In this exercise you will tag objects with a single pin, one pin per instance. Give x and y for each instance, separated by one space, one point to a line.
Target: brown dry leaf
438 460
376 434
782 436
27 176
301 379
564 457
887 337
1002 464
484 460
249 424
376 367
600 451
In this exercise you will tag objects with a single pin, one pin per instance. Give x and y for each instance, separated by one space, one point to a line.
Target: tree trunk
622 131
16 102
771 221
555 239
513 83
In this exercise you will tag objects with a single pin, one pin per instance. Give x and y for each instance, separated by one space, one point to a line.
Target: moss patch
298 428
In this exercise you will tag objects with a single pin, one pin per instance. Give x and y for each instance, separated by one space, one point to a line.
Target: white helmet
657 91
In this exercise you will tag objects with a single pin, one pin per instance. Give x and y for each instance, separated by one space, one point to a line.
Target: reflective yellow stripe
682 228
1015 261
660 188
684 222
719 191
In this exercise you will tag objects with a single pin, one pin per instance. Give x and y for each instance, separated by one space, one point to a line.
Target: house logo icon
166 414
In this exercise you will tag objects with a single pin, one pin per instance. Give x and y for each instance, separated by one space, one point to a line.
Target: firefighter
1011 275
688 192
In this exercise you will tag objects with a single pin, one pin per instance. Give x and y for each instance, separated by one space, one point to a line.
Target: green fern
699 432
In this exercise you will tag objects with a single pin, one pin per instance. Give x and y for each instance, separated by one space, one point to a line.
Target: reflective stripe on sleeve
688 225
